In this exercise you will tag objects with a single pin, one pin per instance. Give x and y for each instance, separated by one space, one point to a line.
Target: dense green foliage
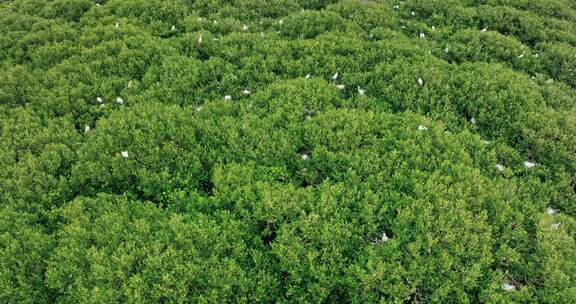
368 151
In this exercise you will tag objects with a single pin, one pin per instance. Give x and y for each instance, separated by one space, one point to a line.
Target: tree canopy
287 151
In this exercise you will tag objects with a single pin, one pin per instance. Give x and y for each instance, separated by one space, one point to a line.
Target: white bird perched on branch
529 165
508 287
227 97
420 81
335 76
361 92
119 100
422 128
340 86
99 99
550 211
124 154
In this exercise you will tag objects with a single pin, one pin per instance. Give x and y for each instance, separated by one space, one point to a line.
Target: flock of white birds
508 286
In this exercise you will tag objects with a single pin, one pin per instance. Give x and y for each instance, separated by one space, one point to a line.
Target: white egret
529 165
508 287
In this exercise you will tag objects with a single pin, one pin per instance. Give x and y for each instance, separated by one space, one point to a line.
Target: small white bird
304 156
307 76
371 36
116 25
86 129
361 92
99 99
340 86
529 165
420 81
550 211
227 97
119 100
508 287
536 55
484 29
473 120
215 22
446 49
500 167
556 225
413 13
433 28
124 154
173 28
246 91
280 21
244 27
98 4
522 55
384 238
422 35
422 128
335 76
396 6
200 39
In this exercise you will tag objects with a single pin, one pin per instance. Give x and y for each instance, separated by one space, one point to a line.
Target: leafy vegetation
287 151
